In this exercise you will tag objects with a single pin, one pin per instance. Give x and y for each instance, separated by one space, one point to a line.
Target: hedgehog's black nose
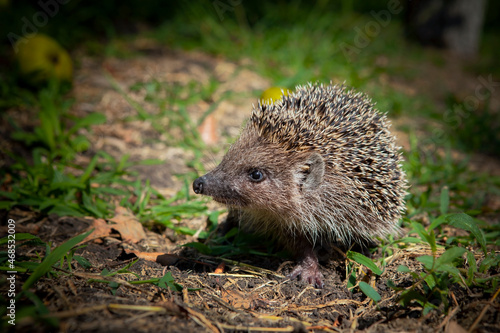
198 185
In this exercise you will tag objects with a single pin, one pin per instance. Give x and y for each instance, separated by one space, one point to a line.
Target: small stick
481 315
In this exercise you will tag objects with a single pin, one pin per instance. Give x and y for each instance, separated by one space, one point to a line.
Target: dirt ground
249 294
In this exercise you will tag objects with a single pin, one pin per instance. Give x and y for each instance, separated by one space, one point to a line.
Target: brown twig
202 320
481 315
257 329
448 317
81 311
293 307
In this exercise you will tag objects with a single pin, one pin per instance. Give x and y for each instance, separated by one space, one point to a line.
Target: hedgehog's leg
308 267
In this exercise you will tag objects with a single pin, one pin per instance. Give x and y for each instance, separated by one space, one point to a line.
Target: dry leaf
454 327
101 229
208 130
220 268
130 229
237 300
165 259
125 223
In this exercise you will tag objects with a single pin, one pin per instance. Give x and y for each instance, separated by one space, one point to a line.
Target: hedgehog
318 167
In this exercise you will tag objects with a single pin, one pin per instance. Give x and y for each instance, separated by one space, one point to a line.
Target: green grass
51 264
305 46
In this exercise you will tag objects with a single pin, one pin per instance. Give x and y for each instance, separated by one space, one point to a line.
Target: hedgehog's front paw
310 274
308 267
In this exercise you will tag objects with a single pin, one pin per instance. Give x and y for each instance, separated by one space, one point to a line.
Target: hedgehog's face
257 175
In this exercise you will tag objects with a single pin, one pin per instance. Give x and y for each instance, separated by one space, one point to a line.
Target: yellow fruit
41 58
273 94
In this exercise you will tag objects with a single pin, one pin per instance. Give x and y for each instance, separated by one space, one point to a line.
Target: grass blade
365 261
52 258
369 291
466 222
444 200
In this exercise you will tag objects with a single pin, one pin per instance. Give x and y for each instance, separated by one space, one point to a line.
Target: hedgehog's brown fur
331 172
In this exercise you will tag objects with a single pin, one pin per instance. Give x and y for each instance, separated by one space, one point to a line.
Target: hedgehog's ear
311 170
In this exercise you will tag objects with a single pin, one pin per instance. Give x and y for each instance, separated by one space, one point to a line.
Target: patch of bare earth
251 294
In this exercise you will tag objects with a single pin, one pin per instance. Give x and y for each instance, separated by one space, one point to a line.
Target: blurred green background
289 42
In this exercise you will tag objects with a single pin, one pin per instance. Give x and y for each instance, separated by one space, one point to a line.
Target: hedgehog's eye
256 175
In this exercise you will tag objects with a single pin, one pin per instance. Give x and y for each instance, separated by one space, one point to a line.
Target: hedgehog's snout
220 191
199 185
